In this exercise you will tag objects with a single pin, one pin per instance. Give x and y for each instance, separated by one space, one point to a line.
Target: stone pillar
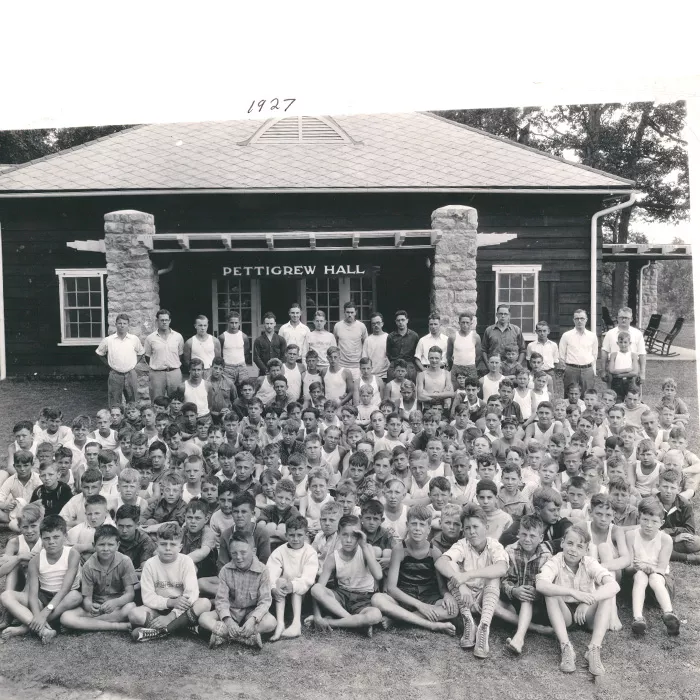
453 287
650 296
132 279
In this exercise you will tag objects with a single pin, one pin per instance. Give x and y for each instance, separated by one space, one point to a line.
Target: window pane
529 281
516 295
529 295
516 281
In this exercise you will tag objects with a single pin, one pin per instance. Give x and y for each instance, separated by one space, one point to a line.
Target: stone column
453 287
132 279
649 298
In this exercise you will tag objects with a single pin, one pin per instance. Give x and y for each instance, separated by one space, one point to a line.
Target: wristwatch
50 607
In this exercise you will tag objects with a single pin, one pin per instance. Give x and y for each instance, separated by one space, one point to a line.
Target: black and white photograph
395 403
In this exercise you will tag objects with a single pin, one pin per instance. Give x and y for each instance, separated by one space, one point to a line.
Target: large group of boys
320 496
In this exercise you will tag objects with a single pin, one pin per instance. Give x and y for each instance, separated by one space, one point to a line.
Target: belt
116 371
590 364
167 369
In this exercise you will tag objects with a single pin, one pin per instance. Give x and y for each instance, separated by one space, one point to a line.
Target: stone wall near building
650 295
453 289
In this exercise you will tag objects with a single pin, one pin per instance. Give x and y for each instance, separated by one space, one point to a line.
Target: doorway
277 294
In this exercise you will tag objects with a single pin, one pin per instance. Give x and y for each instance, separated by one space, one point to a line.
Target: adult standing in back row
295 332
163 351
401 345
502 334
637 346
578 352
464 350
350 334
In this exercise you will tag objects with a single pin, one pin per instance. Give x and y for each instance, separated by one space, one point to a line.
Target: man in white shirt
202 345
434 338
637 345
374 346
295 332
163 351
578 353
121 352
350 334
320 339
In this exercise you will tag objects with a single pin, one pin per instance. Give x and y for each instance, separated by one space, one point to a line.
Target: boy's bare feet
446 627
278 632
47 635
387 623
14 631
322 625
369 631
309 621
615 624
294 630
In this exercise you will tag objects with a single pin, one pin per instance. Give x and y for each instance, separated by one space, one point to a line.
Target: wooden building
252 216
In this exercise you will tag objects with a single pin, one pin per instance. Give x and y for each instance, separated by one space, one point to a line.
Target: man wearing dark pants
120 352
578 352
163 351
401 345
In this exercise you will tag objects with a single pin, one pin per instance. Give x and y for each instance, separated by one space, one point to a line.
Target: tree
28 144
640 141
675 287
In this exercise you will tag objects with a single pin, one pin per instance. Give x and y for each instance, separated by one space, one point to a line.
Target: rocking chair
662 341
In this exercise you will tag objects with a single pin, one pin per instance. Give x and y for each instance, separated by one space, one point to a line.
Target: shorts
240 615
353 601
539 608
650 598
45 597
426 594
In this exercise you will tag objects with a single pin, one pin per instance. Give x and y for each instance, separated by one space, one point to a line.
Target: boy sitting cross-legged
108 580
169 590
356 570
520 603
678 518
473 568
243 597
415 591
579 590
53 579
293 568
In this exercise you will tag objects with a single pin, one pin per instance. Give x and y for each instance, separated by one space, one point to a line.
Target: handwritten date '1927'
271 105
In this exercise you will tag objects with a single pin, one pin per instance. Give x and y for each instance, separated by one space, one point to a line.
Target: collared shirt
247 591
637 344
259 538
628 517
402 347
297 335
523 568
678 519
374 347
350 337
586 578
578 348
102 583
164 352
266 349
467 558
496 338
427 342
122 353
549 351
15 488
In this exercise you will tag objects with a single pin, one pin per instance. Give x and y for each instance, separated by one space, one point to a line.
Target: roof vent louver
300 130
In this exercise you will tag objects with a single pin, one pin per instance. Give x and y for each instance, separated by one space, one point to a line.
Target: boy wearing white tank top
650 550
368 379
294 372
53 580
202 345
490 382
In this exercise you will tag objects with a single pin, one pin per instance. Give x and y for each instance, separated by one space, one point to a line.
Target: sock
464 608
180 622
488 603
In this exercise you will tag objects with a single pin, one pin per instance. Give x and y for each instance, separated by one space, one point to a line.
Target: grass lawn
403 663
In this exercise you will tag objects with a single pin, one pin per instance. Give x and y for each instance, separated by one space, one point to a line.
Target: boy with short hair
419 493
242 600
651 550
669 387
274 518
643 474
497 521
381 539
52 494
512 497
679 522
108 580
312 503
169 590
473 568
450 527
356 571
19 551
170 507
53 580
17 490
577 499
462 487
81 537
520 603
133 542
326 539
577 589
625 515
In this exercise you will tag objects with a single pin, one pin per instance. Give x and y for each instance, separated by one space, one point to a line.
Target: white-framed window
81 294
518 287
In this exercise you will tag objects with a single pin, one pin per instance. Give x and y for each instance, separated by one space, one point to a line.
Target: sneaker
481 650
218 636
673 624
468 639
639 626
568 659
250 640
144 634
595 665
192 618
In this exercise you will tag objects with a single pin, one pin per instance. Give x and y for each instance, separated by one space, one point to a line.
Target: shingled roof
414 152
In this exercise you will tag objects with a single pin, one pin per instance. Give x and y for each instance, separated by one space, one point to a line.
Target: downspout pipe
594 253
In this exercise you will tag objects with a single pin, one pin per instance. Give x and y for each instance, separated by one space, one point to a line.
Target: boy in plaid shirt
520 603
243 599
